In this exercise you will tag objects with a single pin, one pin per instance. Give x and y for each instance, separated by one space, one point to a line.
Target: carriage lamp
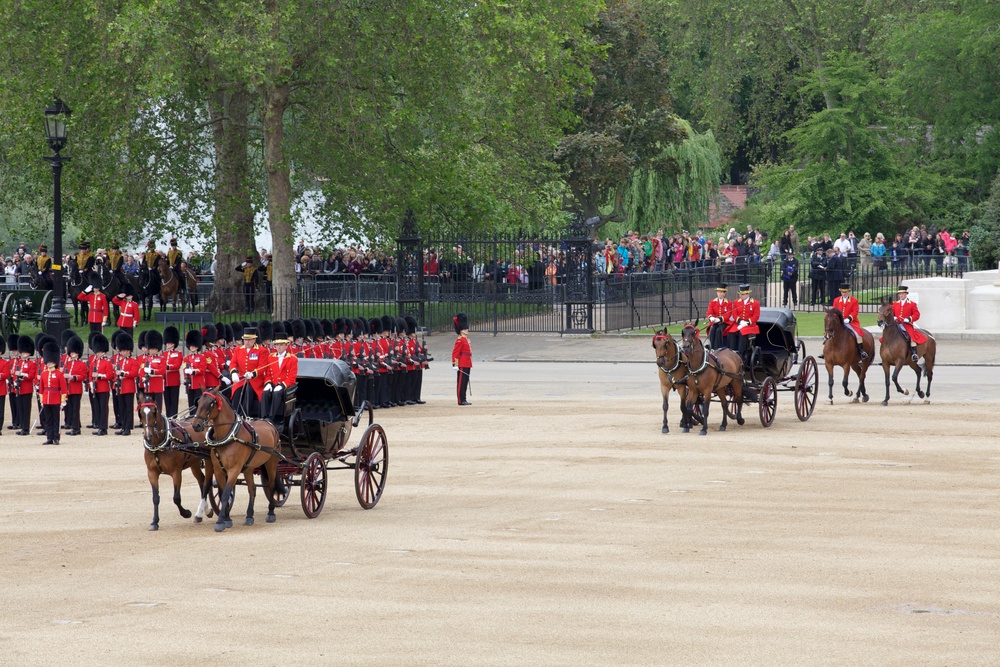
57 319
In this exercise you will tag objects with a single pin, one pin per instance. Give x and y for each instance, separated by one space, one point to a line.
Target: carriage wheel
371 466
215 497
278 499
768 402
11 309
728 399
806 387
313 485
46 304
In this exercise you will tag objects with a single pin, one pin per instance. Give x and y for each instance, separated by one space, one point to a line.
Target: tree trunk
279 203
234 233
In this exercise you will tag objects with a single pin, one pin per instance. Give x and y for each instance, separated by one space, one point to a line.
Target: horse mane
837 312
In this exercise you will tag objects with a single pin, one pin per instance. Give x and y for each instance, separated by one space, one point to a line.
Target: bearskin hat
317 328
95 282
400 325
386 324
230 337
208 333
114 338
338 326
266 330
50 353
237 331
37 340
3 345
125 343
310 332
171 335
194 338
360 328
75 346
298 329
12 342
411 324
141 339
41 340
90 340
327 326
64 338
154 340
461 322
100 343
278 330
128 290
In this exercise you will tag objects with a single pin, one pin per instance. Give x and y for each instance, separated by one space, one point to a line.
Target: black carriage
774 353
315 432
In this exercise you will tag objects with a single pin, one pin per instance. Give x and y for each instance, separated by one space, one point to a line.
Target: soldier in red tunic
173 360
77 375
102 374
128 317
906 313
128 373
4 379
461 356
52 391
281 374
154 369
848 306
717 316
194 367
248 370
24 381
97 304
743 321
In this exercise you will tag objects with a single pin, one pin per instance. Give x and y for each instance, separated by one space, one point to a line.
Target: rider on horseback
152 256
85 261
906 313
116 262
848 306
174 259
44 264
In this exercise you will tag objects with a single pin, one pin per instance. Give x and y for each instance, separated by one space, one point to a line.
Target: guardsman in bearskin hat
154 369
77 375
849 307
377 350
718 316
248 370
743 318
173 359
102 375
266 332
128 373
44 264
24 379
52 392
461 356
280 374
13 363
128 317
4 380
298 339
194 367
328 338
97 305
213 376
905 312
411 394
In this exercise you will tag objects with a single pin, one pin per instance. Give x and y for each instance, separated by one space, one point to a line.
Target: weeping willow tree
681 198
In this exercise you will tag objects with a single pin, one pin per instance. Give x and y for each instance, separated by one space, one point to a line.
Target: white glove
226 380
741 325
189 371
149 370
121 374
908 320
248 375
235 376
847 320
714 320
268 387
90 288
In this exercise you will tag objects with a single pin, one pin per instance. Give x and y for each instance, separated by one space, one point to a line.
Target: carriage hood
328 378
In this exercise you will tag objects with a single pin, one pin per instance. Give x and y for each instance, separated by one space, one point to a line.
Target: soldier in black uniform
85 262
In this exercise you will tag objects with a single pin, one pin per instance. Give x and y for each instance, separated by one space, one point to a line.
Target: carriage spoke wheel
728 399
371 467
215 497
806 388
768 401
313 487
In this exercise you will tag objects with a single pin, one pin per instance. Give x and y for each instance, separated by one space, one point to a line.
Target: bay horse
711 374
672 371
167 450
170 287
895 352
840 349
247 445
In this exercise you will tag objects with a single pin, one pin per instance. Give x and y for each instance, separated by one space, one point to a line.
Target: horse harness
233 436
168 440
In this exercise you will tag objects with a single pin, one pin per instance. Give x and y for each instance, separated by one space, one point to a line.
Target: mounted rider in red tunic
848 307
906 313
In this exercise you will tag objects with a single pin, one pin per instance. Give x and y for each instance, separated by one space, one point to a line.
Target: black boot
913 355
861 351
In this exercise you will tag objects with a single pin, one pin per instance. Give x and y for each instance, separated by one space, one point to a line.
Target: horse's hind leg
916 369
176 477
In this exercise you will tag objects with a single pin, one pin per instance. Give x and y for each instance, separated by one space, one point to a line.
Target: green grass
809 324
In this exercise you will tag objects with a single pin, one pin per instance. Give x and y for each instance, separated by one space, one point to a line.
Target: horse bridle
661 359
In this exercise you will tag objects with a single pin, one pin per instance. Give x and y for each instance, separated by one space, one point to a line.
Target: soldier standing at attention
173 358
52 392
154 370
461 356
101 374
249 274
24 379
77 375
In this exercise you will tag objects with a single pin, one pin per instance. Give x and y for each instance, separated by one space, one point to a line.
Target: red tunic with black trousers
77 374
52 388
461 357
906 313
848 306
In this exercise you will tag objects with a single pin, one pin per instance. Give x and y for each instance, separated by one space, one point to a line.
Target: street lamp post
57 319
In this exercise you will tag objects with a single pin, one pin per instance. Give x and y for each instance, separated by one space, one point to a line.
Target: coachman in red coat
743 320
848 307
905 312
717 315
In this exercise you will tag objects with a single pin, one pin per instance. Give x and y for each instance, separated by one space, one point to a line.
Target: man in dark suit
835 273
817 267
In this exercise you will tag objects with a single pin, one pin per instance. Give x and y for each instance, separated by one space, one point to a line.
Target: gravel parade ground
550 523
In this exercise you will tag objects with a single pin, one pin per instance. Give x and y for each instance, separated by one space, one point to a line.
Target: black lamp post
57 319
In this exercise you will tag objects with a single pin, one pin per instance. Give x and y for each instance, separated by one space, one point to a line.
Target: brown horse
160 436
895 351
672 371
246 445
170 287
709 374
840 349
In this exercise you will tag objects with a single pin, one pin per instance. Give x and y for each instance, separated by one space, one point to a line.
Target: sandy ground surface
551 523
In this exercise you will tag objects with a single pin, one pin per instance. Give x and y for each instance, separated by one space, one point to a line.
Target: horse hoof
685 430
722 428
249 521
185 514
665 430
865 398
741 421
219 527
702 432
271 518
229 523
885 402
856 400
906 392
153 526
197 519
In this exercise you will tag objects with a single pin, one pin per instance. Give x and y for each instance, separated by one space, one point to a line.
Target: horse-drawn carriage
697 373
311 440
